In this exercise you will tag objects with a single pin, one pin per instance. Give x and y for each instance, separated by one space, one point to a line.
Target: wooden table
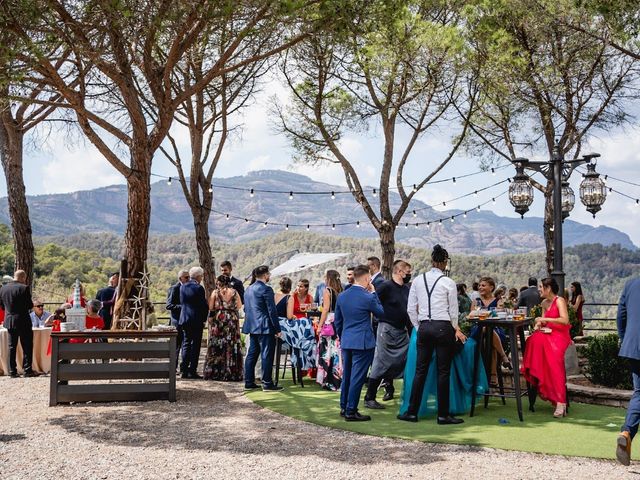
515 328
41 362
149 345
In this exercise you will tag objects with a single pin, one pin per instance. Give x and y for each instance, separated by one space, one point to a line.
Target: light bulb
375 193
428 224
358 224
465 215
169 181
406 225
478 208
454 179
227 216
444 204
286 227
290 195
265 225
493 200
251 193
415 214
416 225
210 189
246 220
452 219
307 228
333 195
493 171
333 227
475 194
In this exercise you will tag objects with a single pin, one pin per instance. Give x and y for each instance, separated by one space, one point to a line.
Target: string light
333 195
444 204
415 189
478 208
227 216
416 225
307 228
493 171
246 220
452 219
287 227
358 224
454 179
428 224
265 225
465 215
290 195
333 227
415 214
169 181
375 193
210 189
406 225
475 194
251 193
493 200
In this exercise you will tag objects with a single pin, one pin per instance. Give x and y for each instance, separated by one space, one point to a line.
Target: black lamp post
593 193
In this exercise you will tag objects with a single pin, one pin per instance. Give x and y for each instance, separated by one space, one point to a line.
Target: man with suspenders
433 310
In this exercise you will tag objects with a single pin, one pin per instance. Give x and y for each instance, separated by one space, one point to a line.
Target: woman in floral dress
224 349
329 357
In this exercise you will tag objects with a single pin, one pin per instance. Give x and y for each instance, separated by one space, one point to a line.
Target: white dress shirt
444 299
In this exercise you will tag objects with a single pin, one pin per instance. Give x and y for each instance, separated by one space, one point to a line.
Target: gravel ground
213 431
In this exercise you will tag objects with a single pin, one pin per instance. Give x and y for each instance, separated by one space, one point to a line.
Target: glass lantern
593 191
521 192
568 199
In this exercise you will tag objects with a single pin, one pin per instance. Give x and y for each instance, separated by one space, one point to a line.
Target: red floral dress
224 349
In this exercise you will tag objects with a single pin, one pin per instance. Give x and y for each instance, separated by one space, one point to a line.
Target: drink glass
483 313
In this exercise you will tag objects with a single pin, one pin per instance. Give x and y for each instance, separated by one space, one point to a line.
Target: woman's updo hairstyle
439 254
551 283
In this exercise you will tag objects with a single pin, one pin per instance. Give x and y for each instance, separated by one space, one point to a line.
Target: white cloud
83 168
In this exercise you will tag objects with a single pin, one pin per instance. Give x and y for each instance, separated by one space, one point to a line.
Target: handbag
327 329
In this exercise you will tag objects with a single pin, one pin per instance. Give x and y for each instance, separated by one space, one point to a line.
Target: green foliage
605 367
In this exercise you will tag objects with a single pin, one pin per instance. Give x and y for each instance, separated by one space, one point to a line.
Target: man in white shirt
39 315
433 311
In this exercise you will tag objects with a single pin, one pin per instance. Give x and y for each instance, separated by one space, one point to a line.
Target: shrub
604 366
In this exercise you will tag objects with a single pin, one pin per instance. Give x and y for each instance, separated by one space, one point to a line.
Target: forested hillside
59 260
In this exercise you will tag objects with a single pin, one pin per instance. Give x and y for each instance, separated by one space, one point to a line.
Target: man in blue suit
629 333
262 325
194 310
173 305
353 326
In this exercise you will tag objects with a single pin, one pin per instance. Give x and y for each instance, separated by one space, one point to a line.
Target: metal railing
599 323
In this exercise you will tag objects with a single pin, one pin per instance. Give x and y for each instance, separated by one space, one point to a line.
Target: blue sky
59 165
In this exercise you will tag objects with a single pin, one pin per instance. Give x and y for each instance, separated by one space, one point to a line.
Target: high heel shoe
561 410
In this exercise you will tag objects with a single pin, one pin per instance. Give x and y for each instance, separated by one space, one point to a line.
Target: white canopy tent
303 261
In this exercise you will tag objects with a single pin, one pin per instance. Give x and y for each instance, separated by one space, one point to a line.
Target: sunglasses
38 306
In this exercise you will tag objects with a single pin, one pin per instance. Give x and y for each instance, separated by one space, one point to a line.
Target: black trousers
438 336
24 333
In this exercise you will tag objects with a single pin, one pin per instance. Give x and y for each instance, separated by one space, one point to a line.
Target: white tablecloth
41 361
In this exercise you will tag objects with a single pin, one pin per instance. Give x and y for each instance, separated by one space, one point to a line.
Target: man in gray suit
530 297
629 332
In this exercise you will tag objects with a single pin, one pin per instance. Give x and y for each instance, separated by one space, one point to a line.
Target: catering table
41 361
515 329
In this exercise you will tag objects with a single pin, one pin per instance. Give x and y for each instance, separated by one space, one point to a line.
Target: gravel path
213 431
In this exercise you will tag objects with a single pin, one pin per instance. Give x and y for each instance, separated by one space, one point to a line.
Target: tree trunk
11 144
203 244
388 245
138 220
548 227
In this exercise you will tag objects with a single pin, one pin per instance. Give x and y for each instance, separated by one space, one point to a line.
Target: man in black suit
173 305
530 297
225 269
15 299
107 296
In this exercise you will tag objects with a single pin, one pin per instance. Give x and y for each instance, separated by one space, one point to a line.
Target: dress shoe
561 410
30 373
450 420
373 404
623 448
388 395
272 388
357 417
407 417
252 386
342 412
14 375
185 376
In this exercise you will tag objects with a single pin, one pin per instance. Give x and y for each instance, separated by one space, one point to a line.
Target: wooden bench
159 346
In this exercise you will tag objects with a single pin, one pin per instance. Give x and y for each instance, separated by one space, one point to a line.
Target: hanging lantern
568 199
593 191
521 192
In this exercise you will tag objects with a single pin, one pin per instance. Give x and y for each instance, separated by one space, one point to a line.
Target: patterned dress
329 356
224 350
299 335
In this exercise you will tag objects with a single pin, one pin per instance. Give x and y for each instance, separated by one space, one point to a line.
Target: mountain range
105 210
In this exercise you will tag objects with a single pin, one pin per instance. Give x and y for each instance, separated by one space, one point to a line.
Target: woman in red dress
543 362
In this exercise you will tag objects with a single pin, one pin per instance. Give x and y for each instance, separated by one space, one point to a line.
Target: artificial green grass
588 431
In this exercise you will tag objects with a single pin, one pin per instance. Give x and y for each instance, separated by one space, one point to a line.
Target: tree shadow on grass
214 417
